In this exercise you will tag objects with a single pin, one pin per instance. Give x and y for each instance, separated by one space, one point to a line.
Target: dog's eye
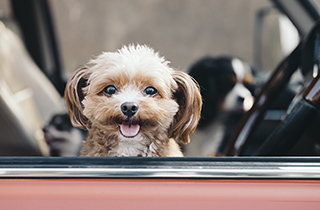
110 90
151 91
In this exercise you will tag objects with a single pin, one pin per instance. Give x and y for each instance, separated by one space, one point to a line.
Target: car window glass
229 47
183 31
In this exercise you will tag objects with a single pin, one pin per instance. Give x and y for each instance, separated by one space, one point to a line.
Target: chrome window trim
199 168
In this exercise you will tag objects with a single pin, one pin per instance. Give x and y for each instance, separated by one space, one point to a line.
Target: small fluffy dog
133 104
62 138
227 85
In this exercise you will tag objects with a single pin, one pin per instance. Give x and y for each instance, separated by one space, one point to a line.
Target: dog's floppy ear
189 99
74 94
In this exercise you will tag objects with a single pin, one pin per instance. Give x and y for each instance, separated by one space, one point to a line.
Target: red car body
158 194
155 183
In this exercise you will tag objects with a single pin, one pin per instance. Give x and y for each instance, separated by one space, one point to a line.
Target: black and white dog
62 138
227 86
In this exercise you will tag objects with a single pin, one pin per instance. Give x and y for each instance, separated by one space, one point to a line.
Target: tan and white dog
133 104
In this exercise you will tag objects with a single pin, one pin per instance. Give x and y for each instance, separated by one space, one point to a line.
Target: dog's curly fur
167 104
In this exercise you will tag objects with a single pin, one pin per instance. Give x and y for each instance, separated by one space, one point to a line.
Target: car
271 161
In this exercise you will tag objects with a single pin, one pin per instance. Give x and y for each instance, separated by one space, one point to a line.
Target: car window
230 48
183 31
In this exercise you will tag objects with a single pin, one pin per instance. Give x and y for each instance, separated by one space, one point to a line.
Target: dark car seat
27 99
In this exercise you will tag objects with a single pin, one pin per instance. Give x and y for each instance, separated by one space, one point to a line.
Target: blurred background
183 31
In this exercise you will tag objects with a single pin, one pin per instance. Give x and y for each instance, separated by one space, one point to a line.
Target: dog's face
133 98
226 85
239 97
133 94
62 138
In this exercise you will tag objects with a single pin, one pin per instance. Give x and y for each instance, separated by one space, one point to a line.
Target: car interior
283 121
28 98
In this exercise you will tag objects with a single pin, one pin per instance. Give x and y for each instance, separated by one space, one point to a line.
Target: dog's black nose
129 108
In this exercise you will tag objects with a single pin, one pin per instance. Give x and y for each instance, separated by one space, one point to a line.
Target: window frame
159 168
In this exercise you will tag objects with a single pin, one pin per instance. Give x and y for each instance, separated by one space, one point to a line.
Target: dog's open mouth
129 130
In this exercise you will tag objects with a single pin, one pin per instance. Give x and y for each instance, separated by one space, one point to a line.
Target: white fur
131 147
239 90
129 94
129 61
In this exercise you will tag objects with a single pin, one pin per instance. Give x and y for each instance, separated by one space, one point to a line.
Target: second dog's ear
74 94
189 99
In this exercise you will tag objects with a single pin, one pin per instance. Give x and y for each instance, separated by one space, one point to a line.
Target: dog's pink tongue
129 130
